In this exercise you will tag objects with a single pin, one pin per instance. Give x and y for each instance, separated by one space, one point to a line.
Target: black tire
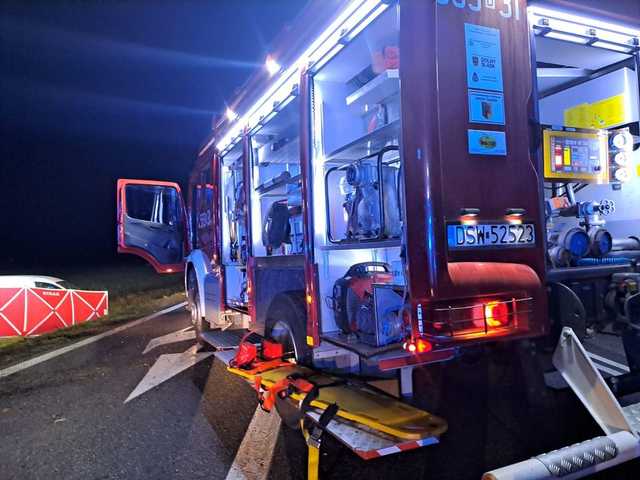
197 317
287 324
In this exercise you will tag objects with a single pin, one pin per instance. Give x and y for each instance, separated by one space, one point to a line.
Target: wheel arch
198 262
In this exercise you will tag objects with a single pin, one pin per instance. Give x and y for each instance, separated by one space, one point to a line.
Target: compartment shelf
381 87
284 178
287 154
351 342
367 144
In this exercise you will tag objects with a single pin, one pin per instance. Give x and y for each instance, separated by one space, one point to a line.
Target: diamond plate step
225 356
227 339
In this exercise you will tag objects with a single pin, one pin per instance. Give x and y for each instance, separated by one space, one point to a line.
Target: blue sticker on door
484 57
486 107
487 142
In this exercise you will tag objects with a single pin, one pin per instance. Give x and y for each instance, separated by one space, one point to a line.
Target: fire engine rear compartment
360 228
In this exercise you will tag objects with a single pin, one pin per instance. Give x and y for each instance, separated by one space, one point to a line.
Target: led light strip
582 30
355 16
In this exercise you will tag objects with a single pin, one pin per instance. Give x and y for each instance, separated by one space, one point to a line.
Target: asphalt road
67 418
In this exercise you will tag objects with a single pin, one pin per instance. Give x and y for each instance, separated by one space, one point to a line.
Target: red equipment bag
271 350
247 353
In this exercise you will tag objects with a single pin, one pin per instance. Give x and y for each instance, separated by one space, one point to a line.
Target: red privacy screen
33 311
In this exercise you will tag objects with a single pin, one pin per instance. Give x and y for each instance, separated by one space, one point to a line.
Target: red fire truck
405 180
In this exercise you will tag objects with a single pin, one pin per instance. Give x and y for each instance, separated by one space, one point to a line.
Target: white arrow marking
167 366
173 337
254 456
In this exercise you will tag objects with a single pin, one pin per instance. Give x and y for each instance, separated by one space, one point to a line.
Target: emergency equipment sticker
485 107
487 142
484 57
604 113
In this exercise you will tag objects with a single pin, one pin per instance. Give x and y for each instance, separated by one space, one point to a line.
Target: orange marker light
423 346
419 345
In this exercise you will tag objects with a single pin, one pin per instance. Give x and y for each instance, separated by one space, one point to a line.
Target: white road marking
253 459
167 366
83 343
173 337
608 361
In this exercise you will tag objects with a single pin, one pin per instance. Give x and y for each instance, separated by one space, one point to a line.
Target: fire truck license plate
491 235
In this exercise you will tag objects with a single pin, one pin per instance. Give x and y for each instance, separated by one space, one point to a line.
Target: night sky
94 90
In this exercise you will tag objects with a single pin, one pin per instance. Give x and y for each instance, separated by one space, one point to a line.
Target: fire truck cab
375 199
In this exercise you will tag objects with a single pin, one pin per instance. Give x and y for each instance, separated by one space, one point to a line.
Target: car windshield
67 285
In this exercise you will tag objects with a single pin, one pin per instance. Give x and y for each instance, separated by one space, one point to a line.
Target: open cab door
152 223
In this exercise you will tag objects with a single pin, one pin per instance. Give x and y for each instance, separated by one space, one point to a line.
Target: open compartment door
151 223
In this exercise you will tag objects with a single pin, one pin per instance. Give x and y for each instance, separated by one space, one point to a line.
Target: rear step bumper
621 426
389 357
401 359
575 461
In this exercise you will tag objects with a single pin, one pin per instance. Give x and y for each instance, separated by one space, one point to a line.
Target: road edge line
82 343
255 454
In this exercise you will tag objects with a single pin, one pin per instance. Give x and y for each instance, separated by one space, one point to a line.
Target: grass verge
135 290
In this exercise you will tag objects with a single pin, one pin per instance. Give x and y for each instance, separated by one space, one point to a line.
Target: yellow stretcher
368 421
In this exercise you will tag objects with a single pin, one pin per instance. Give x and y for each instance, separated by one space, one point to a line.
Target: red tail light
479 317
496 314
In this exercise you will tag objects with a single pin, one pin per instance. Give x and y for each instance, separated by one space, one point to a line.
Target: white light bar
356 13
588 31
566 37
611 46
365 22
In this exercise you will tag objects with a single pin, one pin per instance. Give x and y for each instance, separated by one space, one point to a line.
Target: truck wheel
197 318
287 324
